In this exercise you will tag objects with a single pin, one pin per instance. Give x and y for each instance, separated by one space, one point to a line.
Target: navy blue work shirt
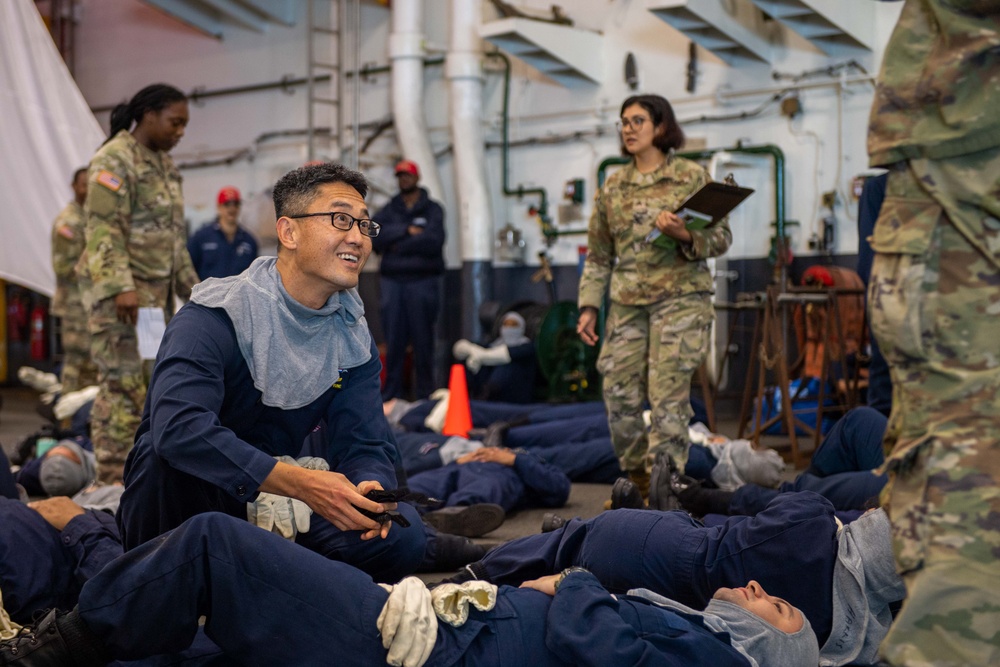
214 256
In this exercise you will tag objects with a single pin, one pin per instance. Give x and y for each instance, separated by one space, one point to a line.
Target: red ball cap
228 194
407 167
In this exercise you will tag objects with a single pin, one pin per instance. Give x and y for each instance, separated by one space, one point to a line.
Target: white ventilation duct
406 51
465 86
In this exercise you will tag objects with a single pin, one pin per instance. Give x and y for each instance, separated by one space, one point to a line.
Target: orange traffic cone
458 421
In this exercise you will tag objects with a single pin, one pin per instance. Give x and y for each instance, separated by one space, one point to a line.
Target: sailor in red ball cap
222 247
410 245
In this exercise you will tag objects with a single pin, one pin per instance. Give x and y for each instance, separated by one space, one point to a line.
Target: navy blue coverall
513 382
411 266
268 602
485 413
207 442
214 256
869 205
8 487
530 482
842 469
790 548
588 461
42 568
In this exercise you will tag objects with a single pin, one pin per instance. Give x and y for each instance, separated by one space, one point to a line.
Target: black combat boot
625 494
59 639
467 520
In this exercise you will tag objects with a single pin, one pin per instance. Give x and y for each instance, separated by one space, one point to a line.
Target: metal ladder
328 22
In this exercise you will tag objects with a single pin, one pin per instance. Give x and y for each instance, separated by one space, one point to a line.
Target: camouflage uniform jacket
641 273
135 220
939 88
67 245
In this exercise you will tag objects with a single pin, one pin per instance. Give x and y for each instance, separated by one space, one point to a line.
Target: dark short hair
295 190
151 98
661 113
76 174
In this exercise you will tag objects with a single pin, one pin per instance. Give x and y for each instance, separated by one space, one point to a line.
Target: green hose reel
569 365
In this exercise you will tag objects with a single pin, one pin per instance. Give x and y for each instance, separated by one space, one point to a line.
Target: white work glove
68 404
280 514
493 356
451 601
435 419
463 348
47 383
407 623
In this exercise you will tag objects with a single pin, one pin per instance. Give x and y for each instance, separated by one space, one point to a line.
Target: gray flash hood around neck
865 582
294 353
758 641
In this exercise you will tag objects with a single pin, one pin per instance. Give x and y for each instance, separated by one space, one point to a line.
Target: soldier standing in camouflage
136 256
934 300
78 370
661 312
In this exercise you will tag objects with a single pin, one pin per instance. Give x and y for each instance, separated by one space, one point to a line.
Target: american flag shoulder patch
109 180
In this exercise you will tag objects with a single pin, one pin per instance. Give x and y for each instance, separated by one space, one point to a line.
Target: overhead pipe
463 71
543 206
406 53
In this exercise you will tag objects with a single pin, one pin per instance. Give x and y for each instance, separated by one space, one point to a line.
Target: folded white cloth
407 623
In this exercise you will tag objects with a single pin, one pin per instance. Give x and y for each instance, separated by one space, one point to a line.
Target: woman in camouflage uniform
136 257
660 302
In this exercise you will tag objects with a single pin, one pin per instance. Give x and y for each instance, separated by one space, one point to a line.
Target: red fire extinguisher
16 318
39 340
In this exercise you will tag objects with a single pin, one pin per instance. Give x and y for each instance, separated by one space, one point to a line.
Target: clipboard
712 202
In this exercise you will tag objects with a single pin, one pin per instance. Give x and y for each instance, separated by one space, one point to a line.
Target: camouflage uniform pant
78 371
651 352
122 378
934 299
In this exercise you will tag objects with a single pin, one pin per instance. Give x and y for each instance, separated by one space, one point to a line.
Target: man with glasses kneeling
250 367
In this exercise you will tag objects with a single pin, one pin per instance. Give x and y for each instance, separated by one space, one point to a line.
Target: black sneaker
626 495
468 520
552 521
59 639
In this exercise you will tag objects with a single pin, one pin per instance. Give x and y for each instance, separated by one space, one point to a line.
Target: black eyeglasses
634 123
344 222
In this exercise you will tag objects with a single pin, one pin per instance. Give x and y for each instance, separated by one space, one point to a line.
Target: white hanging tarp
47 131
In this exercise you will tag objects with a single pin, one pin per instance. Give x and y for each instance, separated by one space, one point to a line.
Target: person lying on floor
842 577
591 461
64 469
50 547
481 487
428 415
843 470
581 447
306 608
